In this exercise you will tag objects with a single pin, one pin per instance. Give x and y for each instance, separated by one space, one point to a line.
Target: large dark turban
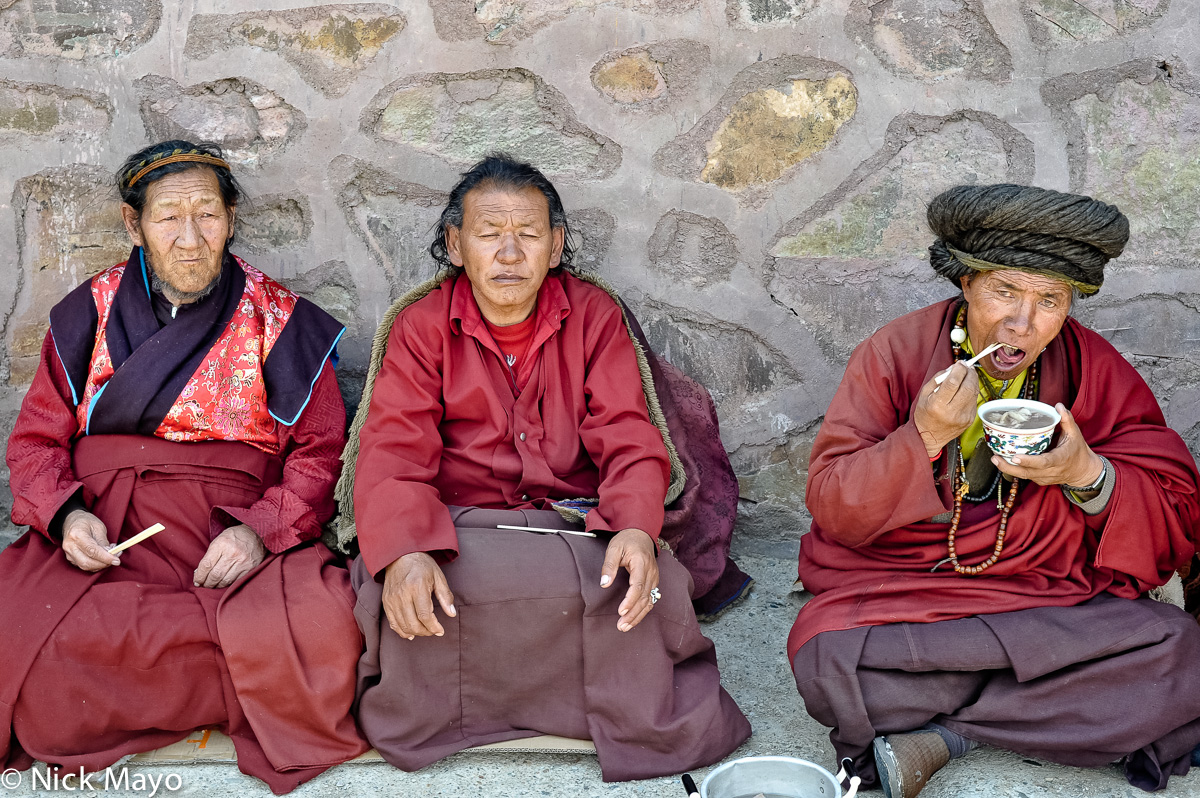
1067 237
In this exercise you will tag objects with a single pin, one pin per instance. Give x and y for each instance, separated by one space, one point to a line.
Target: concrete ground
750 642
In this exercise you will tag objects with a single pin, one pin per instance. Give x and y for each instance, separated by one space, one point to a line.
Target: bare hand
1070 462
230 556
943 412
408 587
85 542
633 550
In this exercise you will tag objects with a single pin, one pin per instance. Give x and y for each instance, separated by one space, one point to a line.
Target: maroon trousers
534 649
132 658
1111 679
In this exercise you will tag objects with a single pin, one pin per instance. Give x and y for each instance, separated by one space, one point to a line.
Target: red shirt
513 341
445 427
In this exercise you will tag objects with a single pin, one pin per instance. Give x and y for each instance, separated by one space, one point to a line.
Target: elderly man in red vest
182 388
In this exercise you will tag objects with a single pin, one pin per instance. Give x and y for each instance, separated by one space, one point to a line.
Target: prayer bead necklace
961 487
959 492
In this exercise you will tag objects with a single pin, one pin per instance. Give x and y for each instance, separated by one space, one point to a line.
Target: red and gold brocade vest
226 398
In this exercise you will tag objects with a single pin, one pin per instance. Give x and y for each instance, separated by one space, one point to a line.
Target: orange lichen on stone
770 130
342 39
630 79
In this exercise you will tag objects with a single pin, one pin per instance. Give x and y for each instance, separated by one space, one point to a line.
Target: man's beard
178 297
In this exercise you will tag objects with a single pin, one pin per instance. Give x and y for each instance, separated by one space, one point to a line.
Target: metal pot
777 775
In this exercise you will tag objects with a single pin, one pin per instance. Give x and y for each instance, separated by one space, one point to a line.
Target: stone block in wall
697 249
1054 23
461 117
767 13
748 378
252 123
38 109
858 257
771 485
1134 141
1154 322
327 45
651 76
394 218
774 115
929 39
592 230
505 21
273 222
68 228
1176 384
331 286
74 29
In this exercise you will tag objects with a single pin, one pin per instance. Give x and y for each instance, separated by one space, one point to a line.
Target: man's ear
452 248
232 211
131 218
560 239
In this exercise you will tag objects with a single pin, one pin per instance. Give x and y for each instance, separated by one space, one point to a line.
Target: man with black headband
962 599
186 389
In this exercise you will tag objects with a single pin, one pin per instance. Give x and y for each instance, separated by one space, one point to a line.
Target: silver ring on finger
654 596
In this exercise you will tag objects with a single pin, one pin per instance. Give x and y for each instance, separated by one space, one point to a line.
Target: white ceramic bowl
1008 442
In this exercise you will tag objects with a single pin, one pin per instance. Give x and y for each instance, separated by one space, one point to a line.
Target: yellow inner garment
974 434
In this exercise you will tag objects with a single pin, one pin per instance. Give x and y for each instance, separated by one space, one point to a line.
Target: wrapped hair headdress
1066 237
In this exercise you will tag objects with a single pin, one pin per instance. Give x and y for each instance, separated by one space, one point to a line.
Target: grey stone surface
930 38
69 228
332 286
508 21
42 110
1058 22
695 248
76 30
463 117
251 122
592 230
393 217
763 13
328 45
273 222
1134 131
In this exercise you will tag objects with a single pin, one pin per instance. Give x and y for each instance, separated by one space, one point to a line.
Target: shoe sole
885 765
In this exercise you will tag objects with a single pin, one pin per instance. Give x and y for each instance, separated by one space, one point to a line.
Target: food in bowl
1023 418
1018 426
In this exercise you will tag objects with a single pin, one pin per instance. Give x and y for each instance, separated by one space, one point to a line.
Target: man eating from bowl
961 599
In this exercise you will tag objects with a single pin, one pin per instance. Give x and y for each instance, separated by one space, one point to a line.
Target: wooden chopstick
138 538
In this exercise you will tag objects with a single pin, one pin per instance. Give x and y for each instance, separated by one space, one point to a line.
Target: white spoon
939 379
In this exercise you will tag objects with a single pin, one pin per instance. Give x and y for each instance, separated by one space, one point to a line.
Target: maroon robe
1050 652
96 666
535 647
872 493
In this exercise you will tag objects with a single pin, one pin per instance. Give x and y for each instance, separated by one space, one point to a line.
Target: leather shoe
906 761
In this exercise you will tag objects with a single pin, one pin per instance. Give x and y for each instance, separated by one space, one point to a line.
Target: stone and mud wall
751 174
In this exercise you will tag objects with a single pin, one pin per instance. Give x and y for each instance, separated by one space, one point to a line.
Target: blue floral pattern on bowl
1009 442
